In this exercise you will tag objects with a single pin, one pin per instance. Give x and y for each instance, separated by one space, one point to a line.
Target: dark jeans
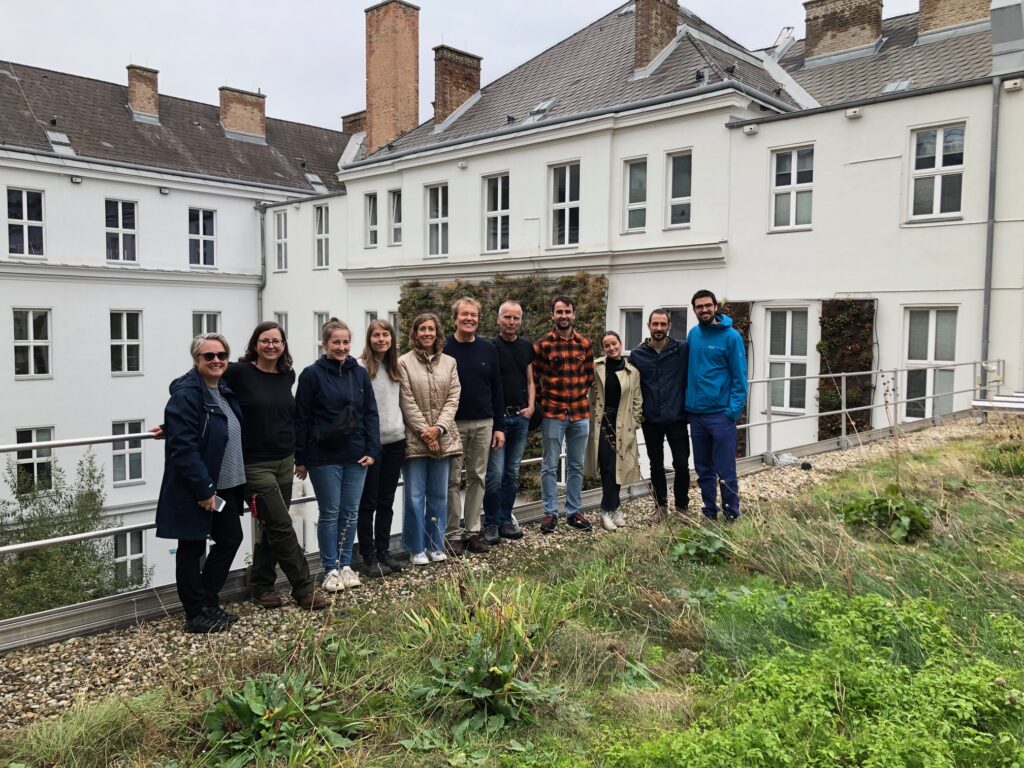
714 458
199 583
379 497
679 443
503 472
268 489
606 462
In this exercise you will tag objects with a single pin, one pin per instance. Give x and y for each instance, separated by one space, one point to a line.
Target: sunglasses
211 356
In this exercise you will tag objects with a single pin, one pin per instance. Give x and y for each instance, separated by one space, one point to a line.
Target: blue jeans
574 433
714 459
338 489
426 504
503 472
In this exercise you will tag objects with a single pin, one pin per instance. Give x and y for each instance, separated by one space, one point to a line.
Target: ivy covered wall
847 345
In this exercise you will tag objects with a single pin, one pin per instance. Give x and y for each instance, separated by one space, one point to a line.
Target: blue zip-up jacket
322 392
662 380
717 379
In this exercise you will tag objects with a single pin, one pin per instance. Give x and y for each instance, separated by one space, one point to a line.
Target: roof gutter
306 199
703 90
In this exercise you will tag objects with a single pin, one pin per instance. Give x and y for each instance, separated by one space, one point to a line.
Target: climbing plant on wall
847 345
739 311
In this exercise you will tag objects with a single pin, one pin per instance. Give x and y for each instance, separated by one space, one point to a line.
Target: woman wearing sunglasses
203 484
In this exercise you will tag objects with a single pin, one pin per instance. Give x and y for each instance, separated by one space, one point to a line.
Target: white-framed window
680 190
319 320
205 322
24 222
370 317
565 204
678 317
127 456
281 241
371 220
201 237
121 230
931 340
281 318
125 342
32 342
129 559
792 187
395 217
35 465
938 172
322 233
787 357
632 328
496 189
437 220
636 195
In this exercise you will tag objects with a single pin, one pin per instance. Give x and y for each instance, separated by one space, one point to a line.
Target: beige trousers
476 448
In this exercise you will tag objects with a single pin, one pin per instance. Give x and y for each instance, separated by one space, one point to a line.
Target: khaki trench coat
627 421
429 396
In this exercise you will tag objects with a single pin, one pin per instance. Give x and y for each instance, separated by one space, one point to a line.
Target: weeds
903 517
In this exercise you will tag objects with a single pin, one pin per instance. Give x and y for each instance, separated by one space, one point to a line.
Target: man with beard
662 363
716 391
564 370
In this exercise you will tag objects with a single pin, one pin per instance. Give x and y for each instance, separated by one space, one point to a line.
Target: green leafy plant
906 519
270 716
700 544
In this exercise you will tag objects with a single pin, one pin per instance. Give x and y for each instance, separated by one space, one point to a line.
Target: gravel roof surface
44 681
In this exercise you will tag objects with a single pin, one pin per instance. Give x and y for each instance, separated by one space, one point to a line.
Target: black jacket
322 392
663 380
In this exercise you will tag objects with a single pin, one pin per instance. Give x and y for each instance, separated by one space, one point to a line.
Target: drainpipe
990 233
263 262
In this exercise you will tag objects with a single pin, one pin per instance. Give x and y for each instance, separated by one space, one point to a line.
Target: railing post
842 404
768 457
895 401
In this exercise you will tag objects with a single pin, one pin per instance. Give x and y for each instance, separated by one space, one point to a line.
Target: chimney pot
456 78
940 14
243 112
143 96
392 71
654 27
840 25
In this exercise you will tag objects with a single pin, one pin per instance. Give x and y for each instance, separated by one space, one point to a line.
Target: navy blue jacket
663 380
196 433
322 392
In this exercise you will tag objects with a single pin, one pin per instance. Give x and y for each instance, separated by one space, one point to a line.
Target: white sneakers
618 519
438 556
420 558
336 580
612 520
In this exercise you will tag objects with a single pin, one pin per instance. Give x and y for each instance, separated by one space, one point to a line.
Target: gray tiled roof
95 116
590 70
955 59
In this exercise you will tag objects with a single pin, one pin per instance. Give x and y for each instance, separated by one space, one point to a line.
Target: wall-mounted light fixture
164 191
76 179
462 164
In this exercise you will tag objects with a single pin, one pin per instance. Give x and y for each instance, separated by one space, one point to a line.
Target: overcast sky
307 55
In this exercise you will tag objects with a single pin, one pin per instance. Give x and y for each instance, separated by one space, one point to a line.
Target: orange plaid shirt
564 370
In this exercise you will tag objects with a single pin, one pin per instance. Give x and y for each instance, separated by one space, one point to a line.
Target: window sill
569 247
126 374
436 256
675 227
494 253
625 232
122 263
787 230
126 483
27 256
279 272
369 247
322 269
203 267
394 245
933 220
33 377
785 412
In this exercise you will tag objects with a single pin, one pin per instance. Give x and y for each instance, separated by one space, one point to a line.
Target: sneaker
618 519
606 521
477 545
218 613
491 535
730 516
268 600
420 558
438 556
455 546
204 624
510 531
349 578
579 522
385 558
659 513
332 581
710 514
548 524
314 601
372 568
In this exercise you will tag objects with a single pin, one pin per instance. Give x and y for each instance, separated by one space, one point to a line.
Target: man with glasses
716 391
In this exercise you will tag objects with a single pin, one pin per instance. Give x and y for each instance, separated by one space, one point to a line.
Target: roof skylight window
896 86
60 142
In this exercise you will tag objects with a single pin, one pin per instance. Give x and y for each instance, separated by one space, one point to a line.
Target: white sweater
392 427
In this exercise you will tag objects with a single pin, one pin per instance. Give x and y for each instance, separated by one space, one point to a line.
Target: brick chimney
392 71
243 112
939 14
654 27
456 78
143 97
354 122
839 25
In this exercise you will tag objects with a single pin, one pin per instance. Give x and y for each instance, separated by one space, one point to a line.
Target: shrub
700 544
904 518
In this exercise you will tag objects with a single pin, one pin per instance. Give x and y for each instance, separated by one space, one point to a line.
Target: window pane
953 146
681 176
135 466
134 357
492 234
397 208
193 251
113 246
797 387
803 207
782 209
444 200
783 169
213 322
680 213
943 403
434 240
21 325
638 182
798 346
949 200
574 225
371 210
678 319
136 571
40 326
504 193
197 325
35 241
433 200
116 358
777 334
633 330
136 542
208 223
120 542
129 247
128 215
132 319
492 194
21 361
115 325
15 238
558 228
574 182
41 360
804 166
917 345
111 214
444 238
924 196
917 383
208 252
924 150
945 334
120 473
637 218
777 371
558 182
193 221
34 206
14 200
504 233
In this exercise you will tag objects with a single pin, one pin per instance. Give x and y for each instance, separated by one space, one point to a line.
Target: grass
788 639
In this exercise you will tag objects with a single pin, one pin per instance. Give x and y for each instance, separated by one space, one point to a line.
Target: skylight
896 86
316 182
60 142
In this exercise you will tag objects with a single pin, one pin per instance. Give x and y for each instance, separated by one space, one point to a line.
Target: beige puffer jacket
429 395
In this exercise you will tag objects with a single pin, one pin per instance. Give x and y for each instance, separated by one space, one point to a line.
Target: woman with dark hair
202 488
263 380
337 437
429 393
380 359
615 408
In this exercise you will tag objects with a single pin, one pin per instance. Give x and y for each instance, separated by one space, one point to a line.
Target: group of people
236 435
